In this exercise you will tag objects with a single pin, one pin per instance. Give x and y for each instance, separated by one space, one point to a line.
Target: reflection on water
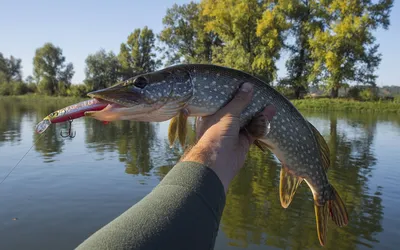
253 217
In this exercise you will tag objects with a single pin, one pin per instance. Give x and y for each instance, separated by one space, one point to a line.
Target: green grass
326 104
42 98
320 104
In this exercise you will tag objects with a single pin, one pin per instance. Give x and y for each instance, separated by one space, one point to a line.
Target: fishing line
21 159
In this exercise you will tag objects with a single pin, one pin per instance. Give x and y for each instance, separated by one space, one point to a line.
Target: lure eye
140 82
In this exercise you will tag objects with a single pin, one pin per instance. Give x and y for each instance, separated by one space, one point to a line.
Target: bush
354 92
19 88
62 89
5 88
287 92
79 90
368 95
32 87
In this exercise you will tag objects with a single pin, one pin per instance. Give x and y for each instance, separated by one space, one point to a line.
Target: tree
346 51
137 55
185 37
251 31
10 69
101 69
50 70
305 18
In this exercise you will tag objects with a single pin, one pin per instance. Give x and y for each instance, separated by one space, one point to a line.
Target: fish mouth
121 104
118 95
118 98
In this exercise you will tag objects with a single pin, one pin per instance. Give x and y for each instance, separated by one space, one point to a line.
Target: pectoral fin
263 146
288 186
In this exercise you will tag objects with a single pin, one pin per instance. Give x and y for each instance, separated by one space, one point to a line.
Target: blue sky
83 27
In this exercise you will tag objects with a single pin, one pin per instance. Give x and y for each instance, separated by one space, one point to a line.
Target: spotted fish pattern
201 90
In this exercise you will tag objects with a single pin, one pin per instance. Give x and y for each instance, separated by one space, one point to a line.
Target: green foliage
13 88
5 89
10 69
78 90
137 55
50 70
101 70
252 34
345 50
329 43
305 19
185 36
327 104
368 95
19 88
354 92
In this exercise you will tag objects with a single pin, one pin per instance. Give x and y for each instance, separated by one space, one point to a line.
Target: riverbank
323 104
42 98
326 104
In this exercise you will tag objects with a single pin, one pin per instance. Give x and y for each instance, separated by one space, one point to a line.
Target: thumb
240 101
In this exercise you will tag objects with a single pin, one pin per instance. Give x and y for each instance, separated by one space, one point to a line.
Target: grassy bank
327 104
32 98
323 104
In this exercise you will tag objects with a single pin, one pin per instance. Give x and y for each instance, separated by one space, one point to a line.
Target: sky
83 27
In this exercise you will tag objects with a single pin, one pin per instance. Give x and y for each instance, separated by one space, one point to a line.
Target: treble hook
69 133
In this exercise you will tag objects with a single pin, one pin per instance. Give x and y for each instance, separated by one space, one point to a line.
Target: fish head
139 97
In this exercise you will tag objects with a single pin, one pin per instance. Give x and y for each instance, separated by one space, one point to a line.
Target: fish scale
179 91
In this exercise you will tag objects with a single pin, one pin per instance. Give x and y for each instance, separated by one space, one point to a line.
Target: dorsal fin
323 147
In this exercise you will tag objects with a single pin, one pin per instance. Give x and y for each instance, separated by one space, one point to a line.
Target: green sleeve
182 212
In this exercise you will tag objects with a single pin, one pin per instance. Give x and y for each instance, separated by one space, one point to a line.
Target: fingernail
246 87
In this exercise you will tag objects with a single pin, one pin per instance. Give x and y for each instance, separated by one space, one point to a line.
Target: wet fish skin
201 90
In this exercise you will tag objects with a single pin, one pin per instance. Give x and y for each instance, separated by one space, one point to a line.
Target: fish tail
337 209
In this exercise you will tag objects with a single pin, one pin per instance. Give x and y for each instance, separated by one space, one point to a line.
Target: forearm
182 212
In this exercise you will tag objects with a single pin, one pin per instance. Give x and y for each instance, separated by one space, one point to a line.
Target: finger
245 140
239 102
199 127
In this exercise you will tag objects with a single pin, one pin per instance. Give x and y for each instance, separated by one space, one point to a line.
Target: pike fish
177 92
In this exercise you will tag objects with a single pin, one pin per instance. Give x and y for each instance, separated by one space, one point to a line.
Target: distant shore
322 104
341 104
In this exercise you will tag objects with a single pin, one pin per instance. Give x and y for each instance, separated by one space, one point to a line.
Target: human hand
222 145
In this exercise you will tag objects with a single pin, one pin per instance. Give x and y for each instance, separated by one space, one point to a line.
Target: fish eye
140 82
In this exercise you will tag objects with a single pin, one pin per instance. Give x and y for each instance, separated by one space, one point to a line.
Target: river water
64 190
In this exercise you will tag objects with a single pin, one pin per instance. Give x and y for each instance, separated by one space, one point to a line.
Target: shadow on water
10 121
134 142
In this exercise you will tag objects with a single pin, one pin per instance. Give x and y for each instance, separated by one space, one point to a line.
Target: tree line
329 43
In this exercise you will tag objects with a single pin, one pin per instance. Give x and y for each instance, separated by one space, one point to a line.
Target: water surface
63 190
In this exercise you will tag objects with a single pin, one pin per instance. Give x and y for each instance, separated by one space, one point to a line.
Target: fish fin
173 125
182 128
323 147
262 145
321 216
337 209
288 186
259 145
